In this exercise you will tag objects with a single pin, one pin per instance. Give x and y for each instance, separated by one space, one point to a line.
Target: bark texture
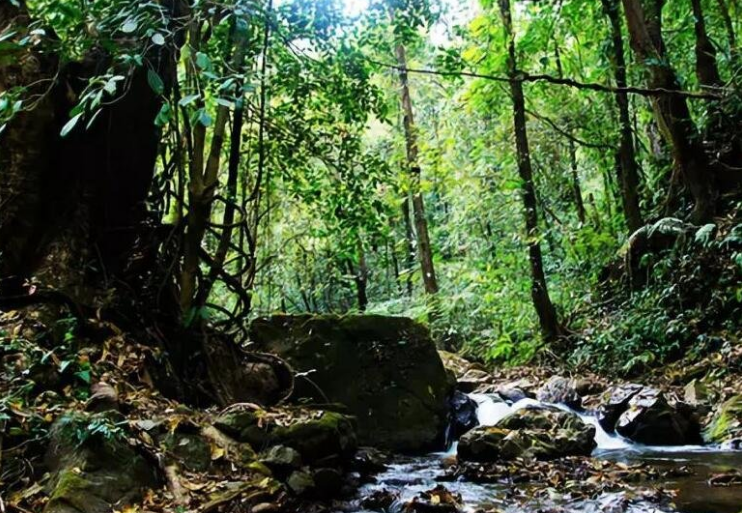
424 249
545 310
644 20
628 169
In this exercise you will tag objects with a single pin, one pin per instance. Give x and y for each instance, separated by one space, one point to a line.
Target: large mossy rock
537 433
385 370
316 435
651 420
726 424
93 471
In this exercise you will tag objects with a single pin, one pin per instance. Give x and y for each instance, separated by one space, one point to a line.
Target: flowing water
410 476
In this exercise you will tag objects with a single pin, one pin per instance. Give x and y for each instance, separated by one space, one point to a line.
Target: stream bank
620 475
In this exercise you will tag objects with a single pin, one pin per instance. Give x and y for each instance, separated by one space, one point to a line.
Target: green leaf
164 116
67 128
130 26
203 61
155 82
84 375
187 100
93 118
158 39
204 118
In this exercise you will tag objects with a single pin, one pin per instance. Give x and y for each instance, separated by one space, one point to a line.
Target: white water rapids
491 411
410 476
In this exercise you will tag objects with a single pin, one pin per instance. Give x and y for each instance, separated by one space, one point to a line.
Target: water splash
491 410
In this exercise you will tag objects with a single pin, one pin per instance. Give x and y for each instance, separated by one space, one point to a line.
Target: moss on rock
726 423
92 472
385 370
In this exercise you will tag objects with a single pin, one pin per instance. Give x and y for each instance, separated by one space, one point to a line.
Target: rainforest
370 256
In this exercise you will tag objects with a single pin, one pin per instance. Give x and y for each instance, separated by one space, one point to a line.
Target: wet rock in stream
560 390
541 433
651 420
614 402
437 500
463 414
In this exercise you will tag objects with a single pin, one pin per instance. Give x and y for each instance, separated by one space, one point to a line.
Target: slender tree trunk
545 310
706 68
628 169
409 244
360 276
644 19
729 25
576 187
424 249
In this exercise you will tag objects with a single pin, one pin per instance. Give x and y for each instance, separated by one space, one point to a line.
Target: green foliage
320 185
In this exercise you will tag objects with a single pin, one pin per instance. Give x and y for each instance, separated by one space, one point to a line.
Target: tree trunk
545 310
409 246
629 174
576 188
731 36
424 249
644 19
91 239
706 68
360 277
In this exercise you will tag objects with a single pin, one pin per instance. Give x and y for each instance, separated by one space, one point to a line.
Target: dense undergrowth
687 300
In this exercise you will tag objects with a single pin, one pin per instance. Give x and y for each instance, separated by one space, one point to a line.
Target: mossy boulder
93 469
385 370
190 449
536 433
726 423
317 435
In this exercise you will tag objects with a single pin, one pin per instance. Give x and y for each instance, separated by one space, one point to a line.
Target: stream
409 476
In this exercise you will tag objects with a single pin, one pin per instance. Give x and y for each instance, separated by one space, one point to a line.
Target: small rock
614 402
437 500
464 414
472 379
730 478
281 459
513 394
368 460
104 398
300 482
587 386
695 393
327 482
560 390
380 500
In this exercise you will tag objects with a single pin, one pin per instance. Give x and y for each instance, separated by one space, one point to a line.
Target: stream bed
685 469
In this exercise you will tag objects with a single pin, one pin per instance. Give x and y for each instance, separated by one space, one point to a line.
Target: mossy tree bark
424 249
75 220
644 20
628 168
